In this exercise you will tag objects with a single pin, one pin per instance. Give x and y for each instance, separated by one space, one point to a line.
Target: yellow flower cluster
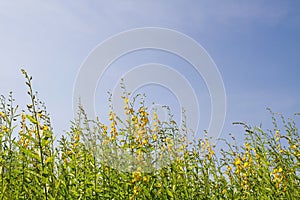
2 115
4 129
137 177
277 176
113 126
24 140
243 167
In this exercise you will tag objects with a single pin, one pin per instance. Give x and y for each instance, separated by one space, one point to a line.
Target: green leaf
31 119
30 153
170 193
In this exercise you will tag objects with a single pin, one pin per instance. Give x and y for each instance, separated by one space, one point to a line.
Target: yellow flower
40 115
142 110
250 160
129 111
237 161
48 160
281 151
246 164
23 116
135 190
155 116
244 183
4 129
126 100
112 125
137 176
228 168
104 127
45 128
155 124
21 140
26 143
145 141
247 145
111 116
145 178
113 130
145 120
154 137
77 137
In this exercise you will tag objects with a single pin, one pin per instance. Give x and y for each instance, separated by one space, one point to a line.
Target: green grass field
266 166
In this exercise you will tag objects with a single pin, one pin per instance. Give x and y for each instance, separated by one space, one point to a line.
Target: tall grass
86 163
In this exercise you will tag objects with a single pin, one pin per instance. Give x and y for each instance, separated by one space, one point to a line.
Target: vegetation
158 164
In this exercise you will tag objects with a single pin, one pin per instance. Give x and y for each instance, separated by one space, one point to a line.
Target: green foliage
266 166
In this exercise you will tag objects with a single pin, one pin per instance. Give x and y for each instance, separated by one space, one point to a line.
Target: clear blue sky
255 45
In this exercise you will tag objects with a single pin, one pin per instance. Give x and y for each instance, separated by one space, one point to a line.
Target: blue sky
255 45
